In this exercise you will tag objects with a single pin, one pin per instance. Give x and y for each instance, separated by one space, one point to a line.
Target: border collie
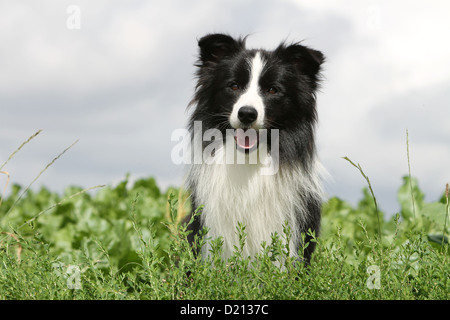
247 101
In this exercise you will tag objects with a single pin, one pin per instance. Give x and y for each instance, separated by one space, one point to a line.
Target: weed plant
129 242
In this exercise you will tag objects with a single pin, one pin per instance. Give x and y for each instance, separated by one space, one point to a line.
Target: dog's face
255 89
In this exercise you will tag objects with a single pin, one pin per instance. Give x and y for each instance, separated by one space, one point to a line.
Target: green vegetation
128 242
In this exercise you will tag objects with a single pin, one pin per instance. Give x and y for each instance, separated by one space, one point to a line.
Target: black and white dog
253 123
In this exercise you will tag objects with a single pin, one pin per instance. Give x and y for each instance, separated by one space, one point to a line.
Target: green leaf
438 238
435 211
410 198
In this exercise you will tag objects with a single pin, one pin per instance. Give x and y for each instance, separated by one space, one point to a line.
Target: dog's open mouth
246 139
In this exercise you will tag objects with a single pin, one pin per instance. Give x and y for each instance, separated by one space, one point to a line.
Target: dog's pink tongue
245 141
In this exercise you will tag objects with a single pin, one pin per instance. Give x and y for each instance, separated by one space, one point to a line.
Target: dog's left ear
306 60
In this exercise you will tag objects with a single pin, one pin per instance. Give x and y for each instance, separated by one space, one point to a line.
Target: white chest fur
239 193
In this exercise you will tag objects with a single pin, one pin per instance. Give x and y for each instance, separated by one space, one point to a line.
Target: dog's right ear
215 47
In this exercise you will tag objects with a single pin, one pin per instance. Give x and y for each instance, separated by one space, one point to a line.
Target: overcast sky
118 75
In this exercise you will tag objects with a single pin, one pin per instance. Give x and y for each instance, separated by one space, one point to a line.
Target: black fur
293 70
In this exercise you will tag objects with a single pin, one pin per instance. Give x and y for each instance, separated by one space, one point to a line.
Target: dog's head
240 88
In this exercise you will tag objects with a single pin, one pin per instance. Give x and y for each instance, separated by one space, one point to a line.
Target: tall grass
131 243
409 174
358 166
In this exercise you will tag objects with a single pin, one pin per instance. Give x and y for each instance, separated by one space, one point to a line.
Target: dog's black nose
247 115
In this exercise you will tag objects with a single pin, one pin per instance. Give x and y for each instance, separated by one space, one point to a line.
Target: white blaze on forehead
251 96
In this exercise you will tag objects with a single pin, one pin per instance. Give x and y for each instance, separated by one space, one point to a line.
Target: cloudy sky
118 75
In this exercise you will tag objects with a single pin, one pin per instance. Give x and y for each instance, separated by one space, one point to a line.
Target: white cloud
121 83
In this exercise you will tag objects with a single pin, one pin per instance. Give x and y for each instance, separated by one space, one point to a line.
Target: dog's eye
272 90
234 86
